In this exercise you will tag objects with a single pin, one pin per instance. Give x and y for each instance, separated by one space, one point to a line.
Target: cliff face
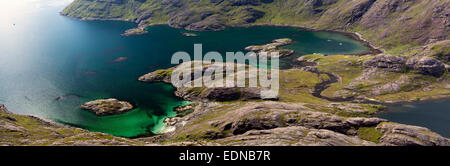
391 24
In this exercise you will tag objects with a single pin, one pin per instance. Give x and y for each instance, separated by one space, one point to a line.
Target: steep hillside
391 24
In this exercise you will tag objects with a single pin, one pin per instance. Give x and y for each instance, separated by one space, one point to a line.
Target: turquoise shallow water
44 55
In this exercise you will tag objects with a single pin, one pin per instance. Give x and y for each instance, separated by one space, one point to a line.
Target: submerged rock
104 107
189 34
59 98
120 59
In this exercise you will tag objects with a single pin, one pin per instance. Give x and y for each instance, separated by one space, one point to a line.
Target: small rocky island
103 107
189 34
272 47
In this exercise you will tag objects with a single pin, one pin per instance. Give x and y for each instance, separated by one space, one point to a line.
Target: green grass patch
370 134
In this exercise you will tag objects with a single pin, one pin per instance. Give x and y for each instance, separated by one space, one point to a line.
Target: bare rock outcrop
406 135
104 107
426 65
388 62
423 64
277 123
294 136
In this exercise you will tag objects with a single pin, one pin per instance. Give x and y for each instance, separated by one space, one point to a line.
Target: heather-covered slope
391 24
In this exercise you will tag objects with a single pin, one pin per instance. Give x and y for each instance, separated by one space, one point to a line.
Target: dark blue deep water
434 115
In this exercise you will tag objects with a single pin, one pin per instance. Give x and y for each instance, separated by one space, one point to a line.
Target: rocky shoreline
353 35
141 29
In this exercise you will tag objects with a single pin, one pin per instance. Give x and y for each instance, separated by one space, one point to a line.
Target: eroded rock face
388 62
104 107
211 23
426 65
197 21
295 115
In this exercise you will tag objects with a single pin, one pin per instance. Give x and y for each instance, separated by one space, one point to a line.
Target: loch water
434 115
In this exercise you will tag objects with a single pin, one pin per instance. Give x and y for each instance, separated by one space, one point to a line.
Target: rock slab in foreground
271 123
105 107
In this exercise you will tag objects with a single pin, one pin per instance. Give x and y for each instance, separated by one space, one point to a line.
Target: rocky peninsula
273 47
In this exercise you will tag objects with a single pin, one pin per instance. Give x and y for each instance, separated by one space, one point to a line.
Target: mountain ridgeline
390 24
